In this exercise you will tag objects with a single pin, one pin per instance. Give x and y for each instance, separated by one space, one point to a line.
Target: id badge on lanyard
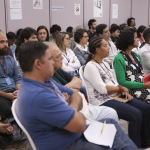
7 79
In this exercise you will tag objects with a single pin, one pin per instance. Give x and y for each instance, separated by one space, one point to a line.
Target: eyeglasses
44 33
58 57
67 39
86 36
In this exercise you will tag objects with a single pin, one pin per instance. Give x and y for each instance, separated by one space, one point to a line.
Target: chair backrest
22 127
82 77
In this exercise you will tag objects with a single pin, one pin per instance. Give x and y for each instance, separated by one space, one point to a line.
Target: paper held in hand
93 133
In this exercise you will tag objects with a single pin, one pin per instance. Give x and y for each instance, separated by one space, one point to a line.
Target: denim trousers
121 140
82 89
137 113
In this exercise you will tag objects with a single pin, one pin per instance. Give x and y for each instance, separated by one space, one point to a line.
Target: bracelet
120 89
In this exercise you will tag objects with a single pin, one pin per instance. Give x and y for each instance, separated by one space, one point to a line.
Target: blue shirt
12 72
44 114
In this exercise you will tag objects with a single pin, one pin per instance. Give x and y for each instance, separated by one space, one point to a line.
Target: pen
103 128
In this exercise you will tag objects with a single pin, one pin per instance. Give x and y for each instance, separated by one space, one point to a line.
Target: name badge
8 81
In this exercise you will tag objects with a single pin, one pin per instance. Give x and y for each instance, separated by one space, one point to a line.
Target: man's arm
75 83
78 123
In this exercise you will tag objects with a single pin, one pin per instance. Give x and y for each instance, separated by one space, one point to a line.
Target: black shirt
91 34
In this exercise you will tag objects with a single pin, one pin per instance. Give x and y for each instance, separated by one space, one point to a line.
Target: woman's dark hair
79 35
146 35
129 20
43 27
55 28
29 52
125 39
90 22
100 28
25 34
140 30
18 32
114 28
94 43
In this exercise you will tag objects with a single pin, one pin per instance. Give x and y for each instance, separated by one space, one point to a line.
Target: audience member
54 30
11 41
102 86
144 52
9 79
81 49
43 34
73 82
140 31
69 30
115 31
72 43
103 31
18 32
131 22
45 114
122 26
92 27
128 67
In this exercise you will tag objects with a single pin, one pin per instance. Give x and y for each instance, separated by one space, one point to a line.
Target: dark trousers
5 108
137 113
120 142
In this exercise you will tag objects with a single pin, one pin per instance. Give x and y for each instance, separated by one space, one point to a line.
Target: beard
4 51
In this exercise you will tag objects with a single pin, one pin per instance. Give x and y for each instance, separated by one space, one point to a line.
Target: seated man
43 110
9 79
64 78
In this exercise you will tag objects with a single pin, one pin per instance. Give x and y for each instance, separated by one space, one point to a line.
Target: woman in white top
102 86
144 52
70 62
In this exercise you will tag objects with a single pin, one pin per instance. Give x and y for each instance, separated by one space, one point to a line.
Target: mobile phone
122 96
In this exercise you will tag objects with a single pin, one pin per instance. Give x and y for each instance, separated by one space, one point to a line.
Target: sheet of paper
37 4
15 3
98 5
115 11
15 14
77 8
92 133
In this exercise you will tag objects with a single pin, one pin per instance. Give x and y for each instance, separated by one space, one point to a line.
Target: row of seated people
62 40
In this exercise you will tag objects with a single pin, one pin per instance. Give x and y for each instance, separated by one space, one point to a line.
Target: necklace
108 73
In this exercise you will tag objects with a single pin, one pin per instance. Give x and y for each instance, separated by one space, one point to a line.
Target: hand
125 90
127 95
4 130
66 64
67 97
11 96
15 93
147 85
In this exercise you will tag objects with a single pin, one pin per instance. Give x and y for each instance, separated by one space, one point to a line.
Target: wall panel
2 16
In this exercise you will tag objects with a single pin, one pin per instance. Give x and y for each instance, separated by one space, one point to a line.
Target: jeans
137 113
121 140
82 89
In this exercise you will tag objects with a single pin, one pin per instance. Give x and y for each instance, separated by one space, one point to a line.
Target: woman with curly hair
128 66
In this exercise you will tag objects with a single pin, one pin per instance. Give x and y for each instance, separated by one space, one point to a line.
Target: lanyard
133 61
3 66
109 75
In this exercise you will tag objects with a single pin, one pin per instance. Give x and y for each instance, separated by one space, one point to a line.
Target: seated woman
102 87
128 67
144 52
43 34
140 32
70 62
81 50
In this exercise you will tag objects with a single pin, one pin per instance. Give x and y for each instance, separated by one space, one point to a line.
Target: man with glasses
103 31
9 79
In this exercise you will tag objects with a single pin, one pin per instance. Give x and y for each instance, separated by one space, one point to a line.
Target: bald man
9 79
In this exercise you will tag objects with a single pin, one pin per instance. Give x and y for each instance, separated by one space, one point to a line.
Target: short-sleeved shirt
44 114
11 71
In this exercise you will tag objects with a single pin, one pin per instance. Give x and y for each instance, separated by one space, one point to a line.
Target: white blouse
96 80
68 59
144 53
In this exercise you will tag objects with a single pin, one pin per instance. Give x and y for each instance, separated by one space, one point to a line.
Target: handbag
7 139
121 98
